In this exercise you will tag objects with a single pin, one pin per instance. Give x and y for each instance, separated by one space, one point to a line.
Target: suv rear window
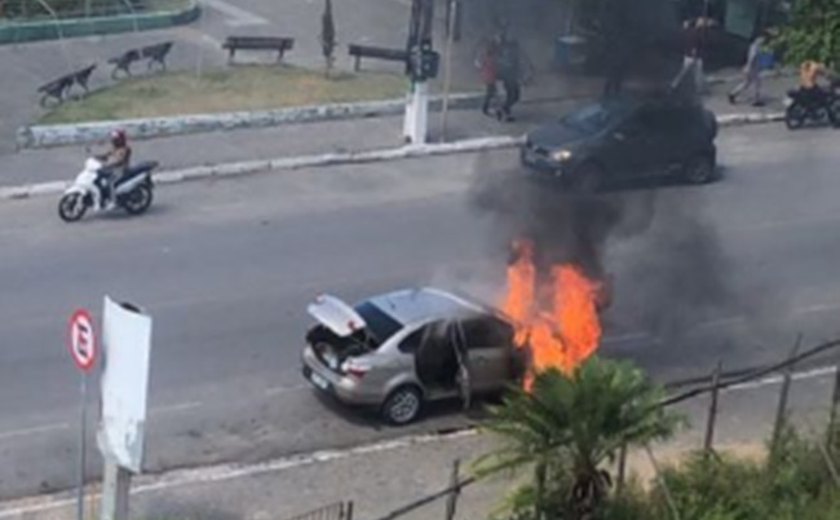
379 324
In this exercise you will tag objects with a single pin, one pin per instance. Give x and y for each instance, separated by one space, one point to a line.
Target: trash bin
569 52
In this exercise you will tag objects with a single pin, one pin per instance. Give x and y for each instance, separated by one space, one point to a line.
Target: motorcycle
132 192
800 110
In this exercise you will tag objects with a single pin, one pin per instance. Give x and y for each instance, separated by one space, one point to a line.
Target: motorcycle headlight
561 155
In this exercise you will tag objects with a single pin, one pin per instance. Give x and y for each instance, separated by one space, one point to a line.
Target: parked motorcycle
800 110
132 192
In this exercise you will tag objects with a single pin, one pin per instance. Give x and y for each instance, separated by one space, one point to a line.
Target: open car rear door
464 377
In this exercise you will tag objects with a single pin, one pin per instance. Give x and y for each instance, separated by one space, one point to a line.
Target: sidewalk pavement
360 21
541 102
382 477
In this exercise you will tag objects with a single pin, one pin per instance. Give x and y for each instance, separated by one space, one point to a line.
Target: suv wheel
700 170
402 406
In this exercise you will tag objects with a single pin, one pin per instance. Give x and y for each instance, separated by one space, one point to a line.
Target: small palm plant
567 428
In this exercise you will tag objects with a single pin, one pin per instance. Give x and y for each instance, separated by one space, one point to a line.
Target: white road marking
630 336
224 472
775 380
180 407
821 307
238 17
34 430
47 428
277 390
641 335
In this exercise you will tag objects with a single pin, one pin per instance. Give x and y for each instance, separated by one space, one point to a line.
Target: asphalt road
730 271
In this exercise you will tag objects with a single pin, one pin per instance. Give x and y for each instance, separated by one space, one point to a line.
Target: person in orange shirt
810 73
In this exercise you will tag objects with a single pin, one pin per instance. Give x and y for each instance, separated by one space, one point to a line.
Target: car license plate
319 381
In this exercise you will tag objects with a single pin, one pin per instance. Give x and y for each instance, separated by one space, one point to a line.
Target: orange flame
560 324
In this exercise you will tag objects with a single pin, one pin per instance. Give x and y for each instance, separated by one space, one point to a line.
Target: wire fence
712 386
336 511
35 10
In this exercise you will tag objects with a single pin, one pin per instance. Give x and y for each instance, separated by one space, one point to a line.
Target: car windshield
591 119
379 324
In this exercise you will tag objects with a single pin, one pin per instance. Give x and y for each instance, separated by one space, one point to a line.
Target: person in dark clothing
510 73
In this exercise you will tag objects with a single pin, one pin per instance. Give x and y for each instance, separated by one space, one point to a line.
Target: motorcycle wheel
795 116
834 112
138 200
72 207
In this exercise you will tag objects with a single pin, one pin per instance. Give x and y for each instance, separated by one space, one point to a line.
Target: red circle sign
82 340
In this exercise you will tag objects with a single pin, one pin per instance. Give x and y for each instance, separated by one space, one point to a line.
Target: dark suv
624 139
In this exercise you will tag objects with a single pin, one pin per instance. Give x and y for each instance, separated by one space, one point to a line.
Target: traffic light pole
416 123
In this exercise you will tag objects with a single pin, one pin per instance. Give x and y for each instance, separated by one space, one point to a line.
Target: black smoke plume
658 247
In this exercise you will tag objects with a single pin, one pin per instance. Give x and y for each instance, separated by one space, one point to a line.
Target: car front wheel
402 406
700 170
588 179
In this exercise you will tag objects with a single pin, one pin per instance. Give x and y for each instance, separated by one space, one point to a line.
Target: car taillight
355 369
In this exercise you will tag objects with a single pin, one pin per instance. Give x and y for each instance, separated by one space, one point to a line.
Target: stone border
334 159
23 32
44 136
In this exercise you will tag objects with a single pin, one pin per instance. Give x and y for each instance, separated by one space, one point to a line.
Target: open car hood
336 315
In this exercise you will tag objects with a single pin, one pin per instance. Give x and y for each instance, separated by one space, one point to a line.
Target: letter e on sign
81 340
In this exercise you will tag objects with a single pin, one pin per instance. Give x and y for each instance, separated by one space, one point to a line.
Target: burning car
400 350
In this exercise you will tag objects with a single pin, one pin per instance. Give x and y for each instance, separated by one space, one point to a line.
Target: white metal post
115 489
447 78
417 113
80 505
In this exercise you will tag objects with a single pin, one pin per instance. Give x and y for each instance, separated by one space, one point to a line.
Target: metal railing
35 10
336 511
710 386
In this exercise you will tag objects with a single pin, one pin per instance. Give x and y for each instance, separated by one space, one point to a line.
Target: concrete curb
13 33
287 163
334 159
44 136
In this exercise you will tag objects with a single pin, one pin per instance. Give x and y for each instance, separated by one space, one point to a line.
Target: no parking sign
82 340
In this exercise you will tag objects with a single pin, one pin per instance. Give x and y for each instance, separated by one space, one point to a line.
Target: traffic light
429 64
423 63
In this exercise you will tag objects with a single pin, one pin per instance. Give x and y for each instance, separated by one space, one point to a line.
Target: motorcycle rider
810 73
114 164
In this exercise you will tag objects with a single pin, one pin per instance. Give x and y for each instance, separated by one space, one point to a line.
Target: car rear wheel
700 170
402 406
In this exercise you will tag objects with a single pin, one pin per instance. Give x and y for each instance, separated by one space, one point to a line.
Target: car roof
416 305
631 101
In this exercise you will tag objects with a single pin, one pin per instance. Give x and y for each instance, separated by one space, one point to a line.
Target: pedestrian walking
487 63
751 72
509 69
694 45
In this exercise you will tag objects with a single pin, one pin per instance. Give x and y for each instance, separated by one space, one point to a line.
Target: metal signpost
126 336
81 341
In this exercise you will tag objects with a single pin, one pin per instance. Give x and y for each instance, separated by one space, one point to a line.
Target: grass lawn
231 89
